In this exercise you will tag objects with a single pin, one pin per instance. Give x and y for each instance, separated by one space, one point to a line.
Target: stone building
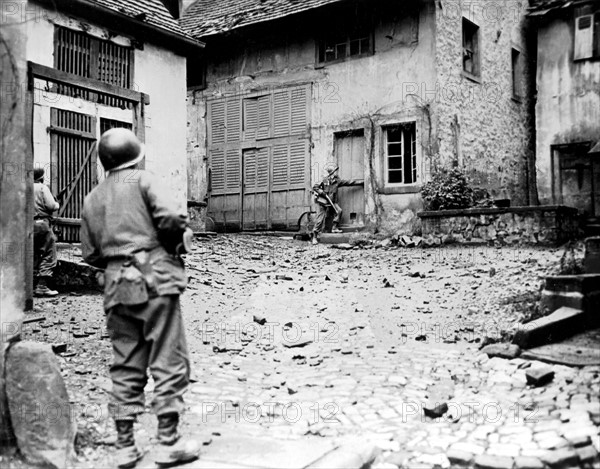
101 64
568 103
390 91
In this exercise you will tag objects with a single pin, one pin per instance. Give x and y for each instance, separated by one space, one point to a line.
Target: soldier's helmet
38 174
119 148
329 169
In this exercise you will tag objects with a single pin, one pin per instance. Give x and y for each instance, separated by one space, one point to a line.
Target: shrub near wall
549 225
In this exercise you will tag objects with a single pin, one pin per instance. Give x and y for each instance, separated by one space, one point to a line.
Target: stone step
573 291
334 238
562 323
591 261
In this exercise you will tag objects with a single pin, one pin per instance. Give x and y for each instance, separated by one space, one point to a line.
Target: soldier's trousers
322 212
44 248
148 336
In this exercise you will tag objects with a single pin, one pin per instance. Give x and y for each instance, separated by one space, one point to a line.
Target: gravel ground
353 337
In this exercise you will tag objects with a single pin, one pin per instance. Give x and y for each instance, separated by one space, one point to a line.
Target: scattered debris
539 376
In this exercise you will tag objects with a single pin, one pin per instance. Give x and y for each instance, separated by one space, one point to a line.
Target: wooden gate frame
138 99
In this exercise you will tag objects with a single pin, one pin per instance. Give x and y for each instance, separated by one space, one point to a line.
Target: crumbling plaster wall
165 117
480 127
568 104
362 93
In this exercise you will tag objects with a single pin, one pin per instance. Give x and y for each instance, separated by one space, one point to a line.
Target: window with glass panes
401 153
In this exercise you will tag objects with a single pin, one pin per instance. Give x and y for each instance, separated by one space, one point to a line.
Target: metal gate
73 168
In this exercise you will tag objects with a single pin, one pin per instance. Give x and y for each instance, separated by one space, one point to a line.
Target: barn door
349 151
256 189
72 137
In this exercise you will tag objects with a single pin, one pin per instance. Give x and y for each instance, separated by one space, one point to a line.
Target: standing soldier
44 241
326 199
132 228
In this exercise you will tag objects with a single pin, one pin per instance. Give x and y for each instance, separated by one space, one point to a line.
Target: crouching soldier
133 229
326 199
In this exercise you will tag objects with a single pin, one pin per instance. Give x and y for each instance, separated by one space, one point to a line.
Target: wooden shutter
233 120
250 118
281 113
299 111
217 166
265 122
217 123
584 37
280 165
232 169
262 168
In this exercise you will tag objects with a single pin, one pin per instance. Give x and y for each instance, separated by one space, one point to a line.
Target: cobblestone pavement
318 346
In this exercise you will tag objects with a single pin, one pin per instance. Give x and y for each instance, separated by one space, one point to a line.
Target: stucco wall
481 127
158 72
362 93
477 124
568 105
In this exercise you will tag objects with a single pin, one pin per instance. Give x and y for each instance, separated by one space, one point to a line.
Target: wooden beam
64 78
71 132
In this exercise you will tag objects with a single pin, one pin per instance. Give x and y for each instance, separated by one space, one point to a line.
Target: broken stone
508 351
486 461
458 457
39 405
561 458
299 343
342 246
562 323
539 376
435 410
30 319
283 277
528 462
59 348
261 320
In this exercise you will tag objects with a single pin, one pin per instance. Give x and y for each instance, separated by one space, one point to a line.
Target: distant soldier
44 241
326 201
132 228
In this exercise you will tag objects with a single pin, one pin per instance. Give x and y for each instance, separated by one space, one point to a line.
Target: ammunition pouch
135 282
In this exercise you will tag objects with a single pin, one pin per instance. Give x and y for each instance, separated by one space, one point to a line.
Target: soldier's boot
315 238
335 228
128 454
172 448
43 290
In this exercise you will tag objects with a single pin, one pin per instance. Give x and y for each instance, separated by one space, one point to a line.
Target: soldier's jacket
330 186
43 200
132 212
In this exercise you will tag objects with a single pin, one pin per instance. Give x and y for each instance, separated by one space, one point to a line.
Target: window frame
517 73
594 14
359 29
95 55
401 187
476 52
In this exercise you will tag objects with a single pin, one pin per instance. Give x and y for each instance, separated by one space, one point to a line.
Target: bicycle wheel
306 222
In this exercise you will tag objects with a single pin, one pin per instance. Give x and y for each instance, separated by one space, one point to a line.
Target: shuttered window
258 144
587 33
89 57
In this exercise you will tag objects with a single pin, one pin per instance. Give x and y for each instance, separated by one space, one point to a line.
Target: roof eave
99 14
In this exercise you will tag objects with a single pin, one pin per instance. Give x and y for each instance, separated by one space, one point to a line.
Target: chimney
174 7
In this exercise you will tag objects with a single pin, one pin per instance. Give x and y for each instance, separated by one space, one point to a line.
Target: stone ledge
497 211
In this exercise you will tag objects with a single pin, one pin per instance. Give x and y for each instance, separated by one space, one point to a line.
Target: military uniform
131 227
44 241
329 185
124 219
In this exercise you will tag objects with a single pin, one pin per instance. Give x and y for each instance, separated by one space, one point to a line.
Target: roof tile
152 12
207 17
